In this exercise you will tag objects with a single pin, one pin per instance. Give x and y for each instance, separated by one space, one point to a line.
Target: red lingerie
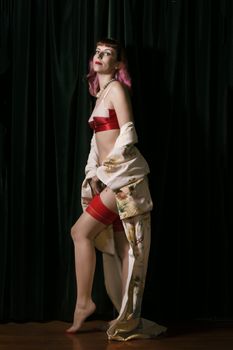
105 123
98 210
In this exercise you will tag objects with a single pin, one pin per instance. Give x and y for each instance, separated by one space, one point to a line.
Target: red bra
105 123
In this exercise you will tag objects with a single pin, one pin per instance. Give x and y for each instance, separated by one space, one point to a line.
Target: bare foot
80 316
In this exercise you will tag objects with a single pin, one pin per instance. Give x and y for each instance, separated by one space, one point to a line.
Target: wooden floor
52 336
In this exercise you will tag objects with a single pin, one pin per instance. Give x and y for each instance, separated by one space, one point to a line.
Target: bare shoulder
119 91
121 101
119 87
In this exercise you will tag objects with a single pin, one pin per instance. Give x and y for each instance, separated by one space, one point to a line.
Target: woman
116 202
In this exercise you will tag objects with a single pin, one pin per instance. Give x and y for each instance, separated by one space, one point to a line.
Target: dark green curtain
180 58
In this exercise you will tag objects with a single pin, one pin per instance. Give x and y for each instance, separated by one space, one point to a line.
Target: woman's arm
124 164
119 97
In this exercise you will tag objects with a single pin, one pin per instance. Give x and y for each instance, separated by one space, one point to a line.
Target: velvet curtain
180 57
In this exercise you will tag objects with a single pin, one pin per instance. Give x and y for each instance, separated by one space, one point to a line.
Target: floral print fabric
125 171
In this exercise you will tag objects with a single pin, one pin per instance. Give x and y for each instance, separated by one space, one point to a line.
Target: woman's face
105 60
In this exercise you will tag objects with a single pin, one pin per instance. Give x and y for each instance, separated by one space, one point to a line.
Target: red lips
97 62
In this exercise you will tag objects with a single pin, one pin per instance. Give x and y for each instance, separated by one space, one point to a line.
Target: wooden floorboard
52 336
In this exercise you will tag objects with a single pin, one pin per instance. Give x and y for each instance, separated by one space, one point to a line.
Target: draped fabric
181 61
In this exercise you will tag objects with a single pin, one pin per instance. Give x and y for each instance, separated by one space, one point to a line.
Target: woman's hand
96 185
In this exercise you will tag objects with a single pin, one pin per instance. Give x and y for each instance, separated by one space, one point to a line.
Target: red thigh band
100 212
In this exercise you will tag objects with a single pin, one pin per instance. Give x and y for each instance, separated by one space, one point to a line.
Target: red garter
100 212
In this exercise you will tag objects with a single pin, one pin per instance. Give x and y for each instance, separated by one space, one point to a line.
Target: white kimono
125 172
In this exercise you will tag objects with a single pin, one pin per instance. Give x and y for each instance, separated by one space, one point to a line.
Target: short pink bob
122 74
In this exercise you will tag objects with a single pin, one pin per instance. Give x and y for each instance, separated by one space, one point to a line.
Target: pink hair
122 74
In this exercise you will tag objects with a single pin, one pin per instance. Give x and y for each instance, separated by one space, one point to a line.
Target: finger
95 190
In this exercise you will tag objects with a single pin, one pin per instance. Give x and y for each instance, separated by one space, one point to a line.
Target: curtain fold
180 57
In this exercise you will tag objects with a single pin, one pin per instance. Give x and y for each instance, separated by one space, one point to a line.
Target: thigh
87 226
109 199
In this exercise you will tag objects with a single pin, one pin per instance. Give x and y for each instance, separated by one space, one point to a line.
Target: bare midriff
105 141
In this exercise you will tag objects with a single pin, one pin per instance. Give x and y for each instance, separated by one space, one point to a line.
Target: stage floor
203 335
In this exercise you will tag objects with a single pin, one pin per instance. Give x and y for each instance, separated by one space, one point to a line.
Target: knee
74 233
79 234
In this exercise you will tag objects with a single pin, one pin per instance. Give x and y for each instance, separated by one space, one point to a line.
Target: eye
107 53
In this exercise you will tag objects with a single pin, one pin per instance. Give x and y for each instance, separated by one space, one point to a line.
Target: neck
104 86
104 79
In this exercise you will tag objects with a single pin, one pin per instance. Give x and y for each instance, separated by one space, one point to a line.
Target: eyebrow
108 48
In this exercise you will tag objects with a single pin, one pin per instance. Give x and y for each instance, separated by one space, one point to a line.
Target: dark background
180 58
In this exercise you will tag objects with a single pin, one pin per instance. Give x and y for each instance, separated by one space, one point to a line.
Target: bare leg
121 242
83 233
122 247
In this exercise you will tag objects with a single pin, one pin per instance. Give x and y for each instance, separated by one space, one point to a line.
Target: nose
100 55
